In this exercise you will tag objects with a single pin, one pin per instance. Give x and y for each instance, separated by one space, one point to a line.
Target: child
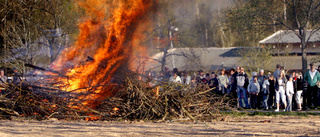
289 92
299 91
254 89
265 89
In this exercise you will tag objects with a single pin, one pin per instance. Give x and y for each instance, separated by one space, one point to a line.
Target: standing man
167 74
276 73
311 77
261 78
213 82
318 97
200 76
242 84
3 78
16 76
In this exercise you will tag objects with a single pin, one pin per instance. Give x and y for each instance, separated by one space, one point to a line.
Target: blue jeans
265 100
244 93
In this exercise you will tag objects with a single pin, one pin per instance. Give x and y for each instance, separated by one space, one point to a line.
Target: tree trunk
304 51
163 60
304 58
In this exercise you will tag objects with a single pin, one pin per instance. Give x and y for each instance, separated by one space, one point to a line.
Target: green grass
271 113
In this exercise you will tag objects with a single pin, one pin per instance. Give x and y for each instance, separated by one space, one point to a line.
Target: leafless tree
35 28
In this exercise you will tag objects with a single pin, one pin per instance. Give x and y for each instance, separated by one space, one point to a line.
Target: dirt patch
232 126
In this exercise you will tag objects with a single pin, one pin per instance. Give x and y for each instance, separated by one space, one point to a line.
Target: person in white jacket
289 92
175 78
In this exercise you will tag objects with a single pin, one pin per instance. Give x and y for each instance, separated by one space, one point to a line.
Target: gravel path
236 126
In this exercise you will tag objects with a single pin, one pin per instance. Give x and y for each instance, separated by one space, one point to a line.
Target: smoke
189 8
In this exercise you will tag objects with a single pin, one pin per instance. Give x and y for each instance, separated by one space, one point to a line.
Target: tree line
32 28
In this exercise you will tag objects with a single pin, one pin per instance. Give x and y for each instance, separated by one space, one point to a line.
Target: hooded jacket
254 87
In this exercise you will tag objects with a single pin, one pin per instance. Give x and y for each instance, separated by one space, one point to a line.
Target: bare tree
35 27
298 16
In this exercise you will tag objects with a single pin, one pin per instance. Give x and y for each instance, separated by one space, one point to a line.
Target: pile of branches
133 100
167 101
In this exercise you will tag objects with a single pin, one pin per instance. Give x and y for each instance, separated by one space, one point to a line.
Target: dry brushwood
133 99
139 101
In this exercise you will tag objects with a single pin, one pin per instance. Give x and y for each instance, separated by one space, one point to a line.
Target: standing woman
223 81
271 100
280 90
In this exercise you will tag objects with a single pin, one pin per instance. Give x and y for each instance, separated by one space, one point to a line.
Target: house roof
289 36
193 59
198 58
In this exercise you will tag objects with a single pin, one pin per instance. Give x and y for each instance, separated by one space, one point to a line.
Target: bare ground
230 126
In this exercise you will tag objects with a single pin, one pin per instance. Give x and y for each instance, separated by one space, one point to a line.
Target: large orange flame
108 36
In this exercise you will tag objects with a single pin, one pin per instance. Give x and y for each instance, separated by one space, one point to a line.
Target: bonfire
97 77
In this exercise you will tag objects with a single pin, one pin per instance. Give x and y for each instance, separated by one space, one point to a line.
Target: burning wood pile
84 83
132 99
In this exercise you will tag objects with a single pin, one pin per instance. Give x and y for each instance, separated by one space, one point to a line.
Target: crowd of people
276 90
14 79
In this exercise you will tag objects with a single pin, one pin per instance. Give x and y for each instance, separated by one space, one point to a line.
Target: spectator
318 93
238 70
186 79
193 81
261 78
232 72
162 77
271 100
299 83
206 79
167 74
294 81
289 92
242 84
276 73
16 76
280 90
265 92
3 81
232 87
213 83
175 78
253 75
175 70
311 77
254 89
223 81
200 76
3 78
235 76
